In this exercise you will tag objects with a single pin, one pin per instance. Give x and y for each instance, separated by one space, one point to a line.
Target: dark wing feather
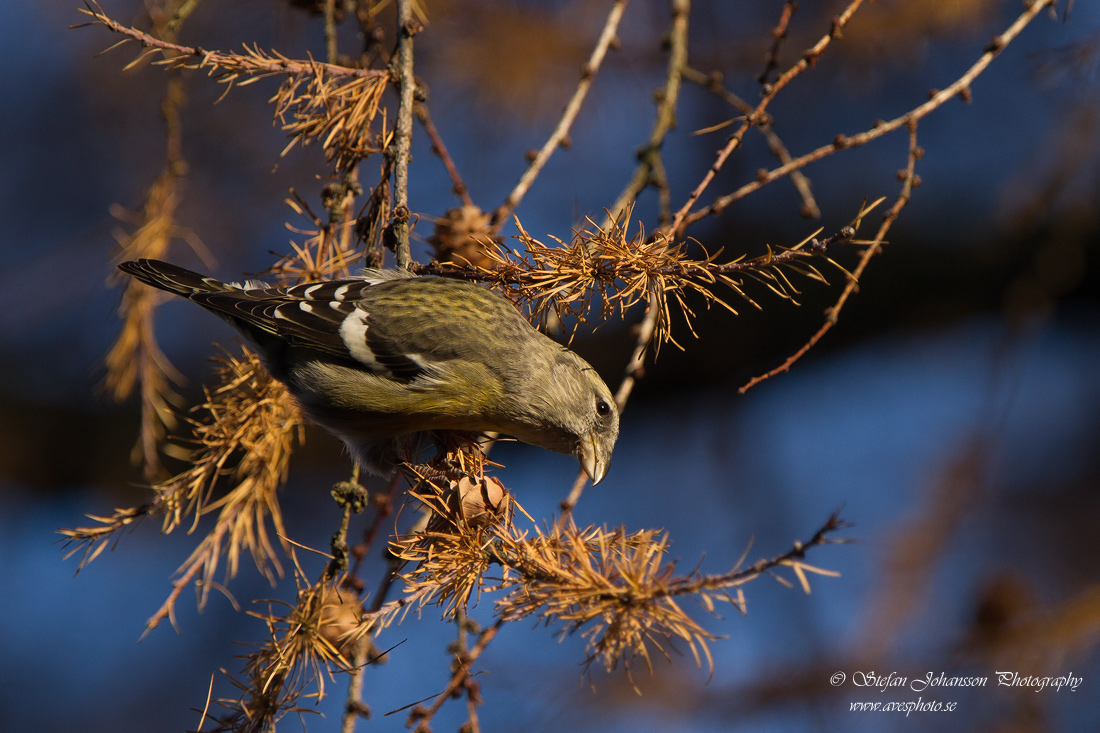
173 278
396 362
308 315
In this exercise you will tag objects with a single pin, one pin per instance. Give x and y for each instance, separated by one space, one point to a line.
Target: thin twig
779 34
649 155
910 179
331 37
690 585
588 74
910 119
355 708
713 83
351 497
249 62
423 716
473 692
402 137
961 86
809 57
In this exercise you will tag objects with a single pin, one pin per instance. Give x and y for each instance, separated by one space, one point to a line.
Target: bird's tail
245 306
173 278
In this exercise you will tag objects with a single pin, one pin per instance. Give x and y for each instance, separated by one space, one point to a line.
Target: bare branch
649 155
572 109
959 87
809 57
713 83
407 27
909 181
226 67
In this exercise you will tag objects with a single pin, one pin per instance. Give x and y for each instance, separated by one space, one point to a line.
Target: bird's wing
331 317
394 325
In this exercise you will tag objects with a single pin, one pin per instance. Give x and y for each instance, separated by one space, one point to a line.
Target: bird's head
587 414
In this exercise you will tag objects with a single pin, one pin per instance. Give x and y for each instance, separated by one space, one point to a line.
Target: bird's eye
602 408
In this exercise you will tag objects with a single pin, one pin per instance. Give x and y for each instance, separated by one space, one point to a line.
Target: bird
383 359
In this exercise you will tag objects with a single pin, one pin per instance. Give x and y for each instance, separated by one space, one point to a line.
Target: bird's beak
592 460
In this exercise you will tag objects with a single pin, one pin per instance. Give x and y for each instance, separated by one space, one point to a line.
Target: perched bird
376 360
